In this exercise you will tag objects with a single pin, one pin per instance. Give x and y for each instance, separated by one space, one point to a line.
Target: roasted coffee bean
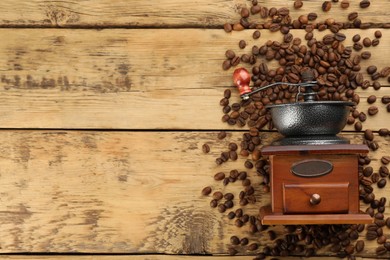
385 160
378 34
366 55
205 148
380 250
375 42
226 64
367 172
358 126
233 155
344 4
233 147
206 191
244 12
371 99
364 4
362 117
253 247
326 6
371 69
383 171
221 208
366 42
235 61
271 235
230 54
381 183
312 16
217 195
242 44
371 235
375 177
221 135
385 72
372 110
244 241
248 164
227 27
213 203
356 38
231 215
228 204
234 240
219 176
256 34
239 223
229 196
298 4
369 135
352 16
376 85
359 246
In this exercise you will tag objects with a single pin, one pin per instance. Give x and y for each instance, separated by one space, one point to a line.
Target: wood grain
131 79
165 13
157 257
124 192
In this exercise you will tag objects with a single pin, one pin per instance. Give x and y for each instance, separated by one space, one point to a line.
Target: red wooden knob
241 79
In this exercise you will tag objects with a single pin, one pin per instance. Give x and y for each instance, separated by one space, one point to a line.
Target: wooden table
105 106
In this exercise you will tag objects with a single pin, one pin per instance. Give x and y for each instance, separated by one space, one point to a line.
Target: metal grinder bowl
310 118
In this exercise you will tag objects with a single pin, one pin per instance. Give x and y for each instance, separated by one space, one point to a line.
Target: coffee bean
359 246
356 38
256 34
227 93
368 171
244 241
326 6
371 99
385 72
362 117
298 4
253 247
372 110
371 69
344 4
227 27
235 61
242 44
375 42
271 235
234 240
364 4
358 126
248 164
219 176
229 196
226 65
238 27
365 55
381 183
384 132
221 208
371 235
221 135
244 12
378 34
206 191
375 177
312 16
366 42
380 250
233 147
385 160
213 203
376 85
352 16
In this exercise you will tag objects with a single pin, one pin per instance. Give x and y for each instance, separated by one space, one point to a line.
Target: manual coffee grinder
313 172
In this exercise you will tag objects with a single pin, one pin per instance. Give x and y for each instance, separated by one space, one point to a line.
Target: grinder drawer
315 198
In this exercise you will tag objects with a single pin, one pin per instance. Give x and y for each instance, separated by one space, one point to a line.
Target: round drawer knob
315 199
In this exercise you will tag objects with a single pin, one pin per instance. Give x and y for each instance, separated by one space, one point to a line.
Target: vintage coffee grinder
314 172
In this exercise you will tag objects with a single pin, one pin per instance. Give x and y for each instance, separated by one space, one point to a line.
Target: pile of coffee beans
338 71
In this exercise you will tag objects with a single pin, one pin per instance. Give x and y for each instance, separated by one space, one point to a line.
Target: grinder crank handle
242 78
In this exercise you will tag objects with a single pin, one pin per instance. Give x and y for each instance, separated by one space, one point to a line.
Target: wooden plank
130 79
137 13
158 257
124 192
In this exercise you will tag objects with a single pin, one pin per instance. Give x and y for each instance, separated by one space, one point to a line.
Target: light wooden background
104 108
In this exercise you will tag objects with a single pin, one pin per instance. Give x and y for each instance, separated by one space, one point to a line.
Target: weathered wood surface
158 257
132 79
122 192
164 13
